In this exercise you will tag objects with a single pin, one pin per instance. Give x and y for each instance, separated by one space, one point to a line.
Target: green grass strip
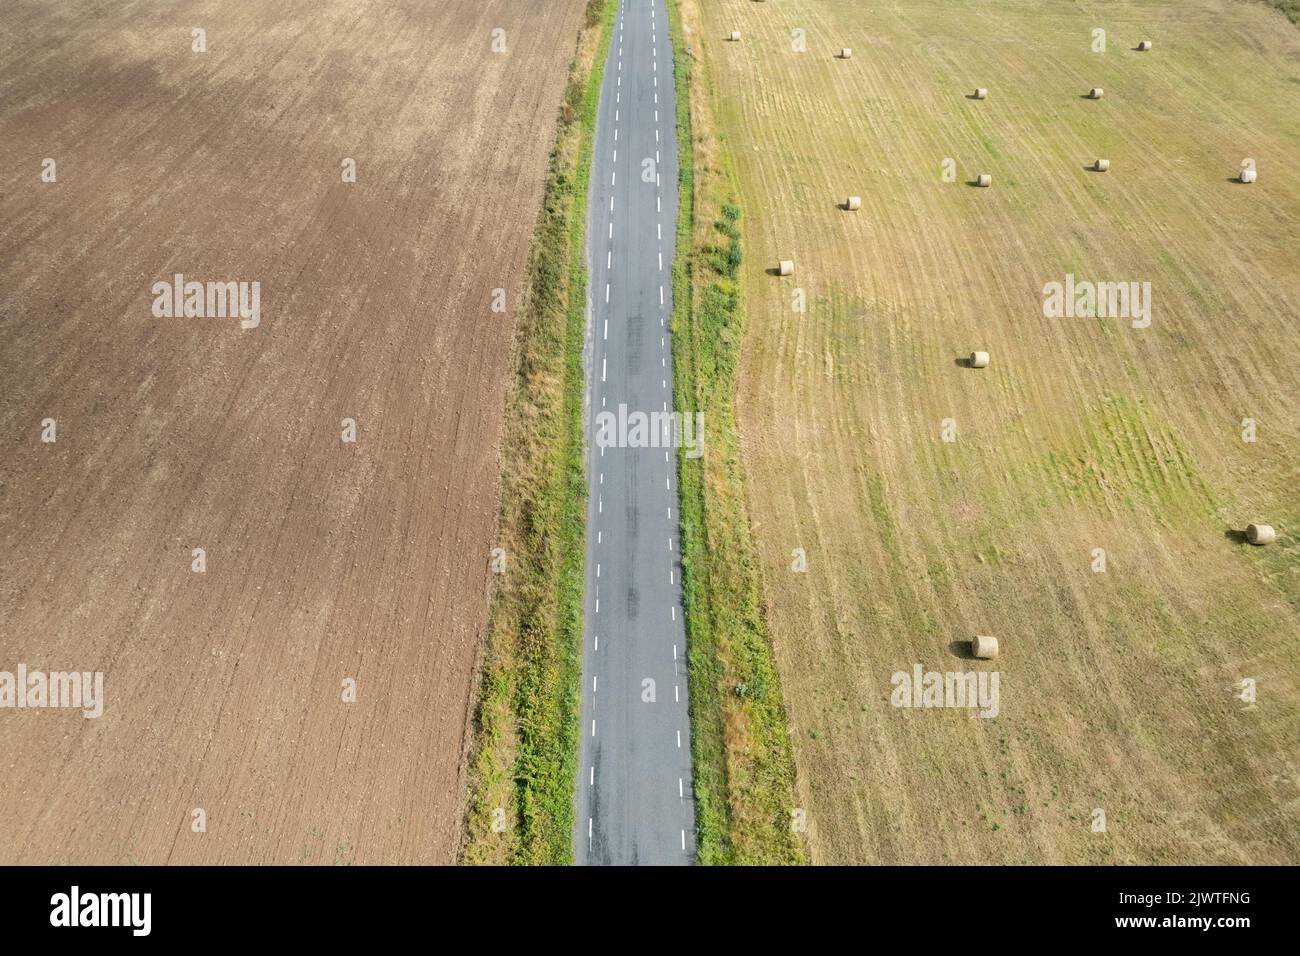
741 751
524 764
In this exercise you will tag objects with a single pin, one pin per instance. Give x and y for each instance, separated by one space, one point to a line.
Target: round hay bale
981 93
985 179
979 360
845 52
1260 534
853 202
1096 93
1248 175
785 267
1101 165
1144 46
985 648
735 36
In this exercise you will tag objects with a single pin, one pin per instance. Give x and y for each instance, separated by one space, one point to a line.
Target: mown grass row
523 765
743 762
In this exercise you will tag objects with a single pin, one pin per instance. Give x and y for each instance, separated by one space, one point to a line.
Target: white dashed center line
635 200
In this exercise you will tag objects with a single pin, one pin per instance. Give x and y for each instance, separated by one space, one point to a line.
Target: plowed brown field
325 560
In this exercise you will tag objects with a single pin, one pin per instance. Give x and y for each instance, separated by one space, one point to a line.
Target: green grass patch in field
1291 8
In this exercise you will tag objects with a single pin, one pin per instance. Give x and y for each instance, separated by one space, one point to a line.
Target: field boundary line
741 749
524 753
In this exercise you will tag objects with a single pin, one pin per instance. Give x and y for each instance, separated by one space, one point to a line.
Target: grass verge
525 751
743 762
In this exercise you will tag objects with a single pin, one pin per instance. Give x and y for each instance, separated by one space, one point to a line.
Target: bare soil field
1121 689
325 560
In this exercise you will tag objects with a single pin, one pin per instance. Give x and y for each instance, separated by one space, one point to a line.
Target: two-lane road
634 788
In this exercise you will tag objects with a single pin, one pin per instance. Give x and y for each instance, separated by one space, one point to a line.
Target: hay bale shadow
774 271
961 649
962 362
1238 537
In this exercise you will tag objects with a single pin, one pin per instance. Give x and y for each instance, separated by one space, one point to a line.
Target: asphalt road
634 788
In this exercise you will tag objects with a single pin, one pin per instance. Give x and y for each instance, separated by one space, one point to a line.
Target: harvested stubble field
325 560
1120 690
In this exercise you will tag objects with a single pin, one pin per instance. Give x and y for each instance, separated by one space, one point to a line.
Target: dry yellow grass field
1120 690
